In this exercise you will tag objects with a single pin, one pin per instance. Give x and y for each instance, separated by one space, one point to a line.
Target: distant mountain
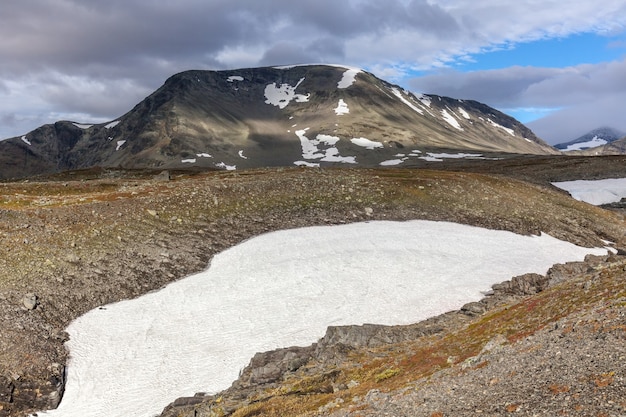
314 115
593 139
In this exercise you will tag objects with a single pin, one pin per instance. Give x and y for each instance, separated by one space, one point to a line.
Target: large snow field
596 192
282 289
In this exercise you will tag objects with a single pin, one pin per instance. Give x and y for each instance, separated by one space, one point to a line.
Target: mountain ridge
592 139
313 115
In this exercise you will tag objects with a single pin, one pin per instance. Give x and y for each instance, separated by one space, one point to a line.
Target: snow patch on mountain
348 78
392 162
506 129
26 141
112 124
439 157
464 113
451 120
425 100
342 108
234 78
188 161
120 143
225 166
284 94
366 143
82 125
322 148
595 141
398 94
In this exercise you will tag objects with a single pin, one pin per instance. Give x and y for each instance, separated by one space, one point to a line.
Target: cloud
109 53
573 122
584 97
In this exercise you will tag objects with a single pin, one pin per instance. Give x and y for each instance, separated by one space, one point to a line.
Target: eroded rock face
23 394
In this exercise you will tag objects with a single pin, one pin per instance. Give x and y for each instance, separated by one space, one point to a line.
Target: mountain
275 116
595 138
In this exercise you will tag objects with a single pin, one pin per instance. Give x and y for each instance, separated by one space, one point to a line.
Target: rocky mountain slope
79 240
594 141
251 118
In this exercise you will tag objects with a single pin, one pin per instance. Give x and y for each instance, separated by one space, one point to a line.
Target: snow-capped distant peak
596 141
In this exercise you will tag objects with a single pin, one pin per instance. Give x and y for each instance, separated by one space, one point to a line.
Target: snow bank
284 94
595 192
281 289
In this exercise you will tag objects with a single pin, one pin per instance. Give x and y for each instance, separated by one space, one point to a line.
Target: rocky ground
77 241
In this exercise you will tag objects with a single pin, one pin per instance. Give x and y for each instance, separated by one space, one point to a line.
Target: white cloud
577 99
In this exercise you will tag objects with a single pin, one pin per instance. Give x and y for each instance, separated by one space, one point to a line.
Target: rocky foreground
78 241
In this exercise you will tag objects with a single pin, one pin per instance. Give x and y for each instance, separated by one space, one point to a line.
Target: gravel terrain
77 241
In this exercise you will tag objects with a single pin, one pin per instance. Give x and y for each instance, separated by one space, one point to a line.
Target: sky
557 66
134 357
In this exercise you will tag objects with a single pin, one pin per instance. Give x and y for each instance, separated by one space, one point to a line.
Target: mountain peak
312 115
592 139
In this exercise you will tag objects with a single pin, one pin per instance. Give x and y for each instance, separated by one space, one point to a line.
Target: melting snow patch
494 124
595 192
392 162
112 124
450 119
322 148
438 157
203 155
349 77
241 155
234 78
82 126
464 113
425 100
306 164
126 360
226 167
26 141
342 108
398 94
366 143
188 161
283 95
596 141
120 143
